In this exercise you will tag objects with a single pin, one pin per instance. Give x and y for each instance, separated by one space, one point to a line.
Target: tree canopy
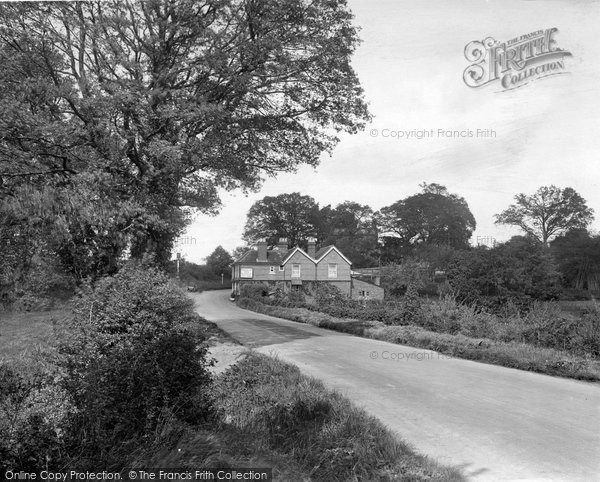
292 216
578 256
549 212
139 112
432 217
219 261
517 269
352 228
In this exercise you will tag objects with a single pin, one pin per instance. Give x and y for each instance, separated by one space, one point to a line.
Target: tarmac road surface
496 423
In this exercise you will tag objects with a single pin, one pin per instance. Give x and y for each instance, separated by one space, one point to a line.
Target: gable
333 255
295 254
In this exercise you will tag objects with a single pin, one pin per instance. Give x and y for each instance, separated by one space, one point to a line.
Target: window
281 268
271 269
332 270
361 293
295 271
245 272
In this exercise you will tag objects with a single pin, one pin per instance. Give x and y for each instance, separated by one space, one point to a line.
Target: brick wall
371 292
343 268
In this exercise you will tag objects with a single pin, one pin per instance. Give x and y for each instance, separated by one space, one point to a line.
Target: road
496 423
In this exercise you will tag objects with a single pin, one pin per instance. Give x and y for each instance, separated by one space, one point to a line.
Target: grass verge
265 414
508 354
270 415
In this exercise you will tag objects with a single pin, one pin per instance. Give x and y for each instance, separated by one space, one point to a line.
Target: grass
270 415
512 354
266 414
27 337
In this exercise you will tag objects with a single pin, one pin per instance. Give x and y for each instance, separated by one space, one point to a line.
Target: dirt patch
225 355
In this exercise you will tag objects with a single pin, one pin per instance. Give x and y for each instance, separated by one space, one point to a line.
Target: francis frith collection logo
515 62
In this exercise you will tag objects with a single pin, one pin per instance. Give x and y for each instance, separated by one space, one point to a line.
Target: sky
411 64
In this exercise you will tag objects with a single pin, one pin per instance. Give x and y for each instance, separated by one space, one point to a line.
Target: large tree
219 261
549 212
292 216
578 256
352 228
432 217
517 269
164 102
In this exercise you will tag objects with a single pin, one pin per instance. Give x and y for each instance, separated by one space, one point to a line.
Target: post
222 279
178 258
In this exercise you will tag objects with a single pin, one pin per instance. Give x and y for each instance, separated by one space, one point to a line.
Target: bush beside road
124 381
509 354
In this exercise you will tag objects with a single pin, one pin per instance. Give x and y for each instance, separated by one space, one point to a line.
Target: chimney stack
312 247
262 250
282 245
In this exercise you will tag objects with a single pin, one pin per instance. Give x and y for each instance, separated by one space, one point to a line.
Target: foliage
396 278
578 257
269 404
137 113
292 216
549 212
432 217
351 227
33 421
518 270
219 262
328 293
131 351
461 331
254 291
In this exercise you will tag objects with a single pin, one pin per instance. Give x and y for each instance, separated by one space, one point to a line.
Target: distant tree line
432 230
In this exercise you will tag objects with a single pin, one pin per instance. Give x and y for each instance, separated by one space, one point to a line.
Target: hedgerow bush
33 421
540 324
255 291
129 353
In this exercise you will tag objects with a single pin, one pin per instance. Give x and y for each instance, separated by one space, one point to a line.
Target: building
292 269
366 284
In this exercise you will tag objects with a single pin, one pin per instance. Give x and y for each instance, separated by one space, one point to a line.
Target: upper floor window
271 269
332 270
281 268
295 271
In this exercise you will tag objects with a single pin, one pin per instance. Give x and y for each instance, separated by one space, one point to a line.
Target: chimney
282 245
312 242
262 250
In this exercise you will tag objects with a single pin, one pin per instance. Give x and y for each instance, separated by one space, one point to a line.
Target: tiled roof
277 257
273 257
322 251
365 280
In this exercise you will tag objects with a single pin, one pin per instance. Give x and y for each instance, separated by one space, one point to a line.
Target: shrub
588 332
575 294
255 291
129 353
33 421
271 405
411 306
327 293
